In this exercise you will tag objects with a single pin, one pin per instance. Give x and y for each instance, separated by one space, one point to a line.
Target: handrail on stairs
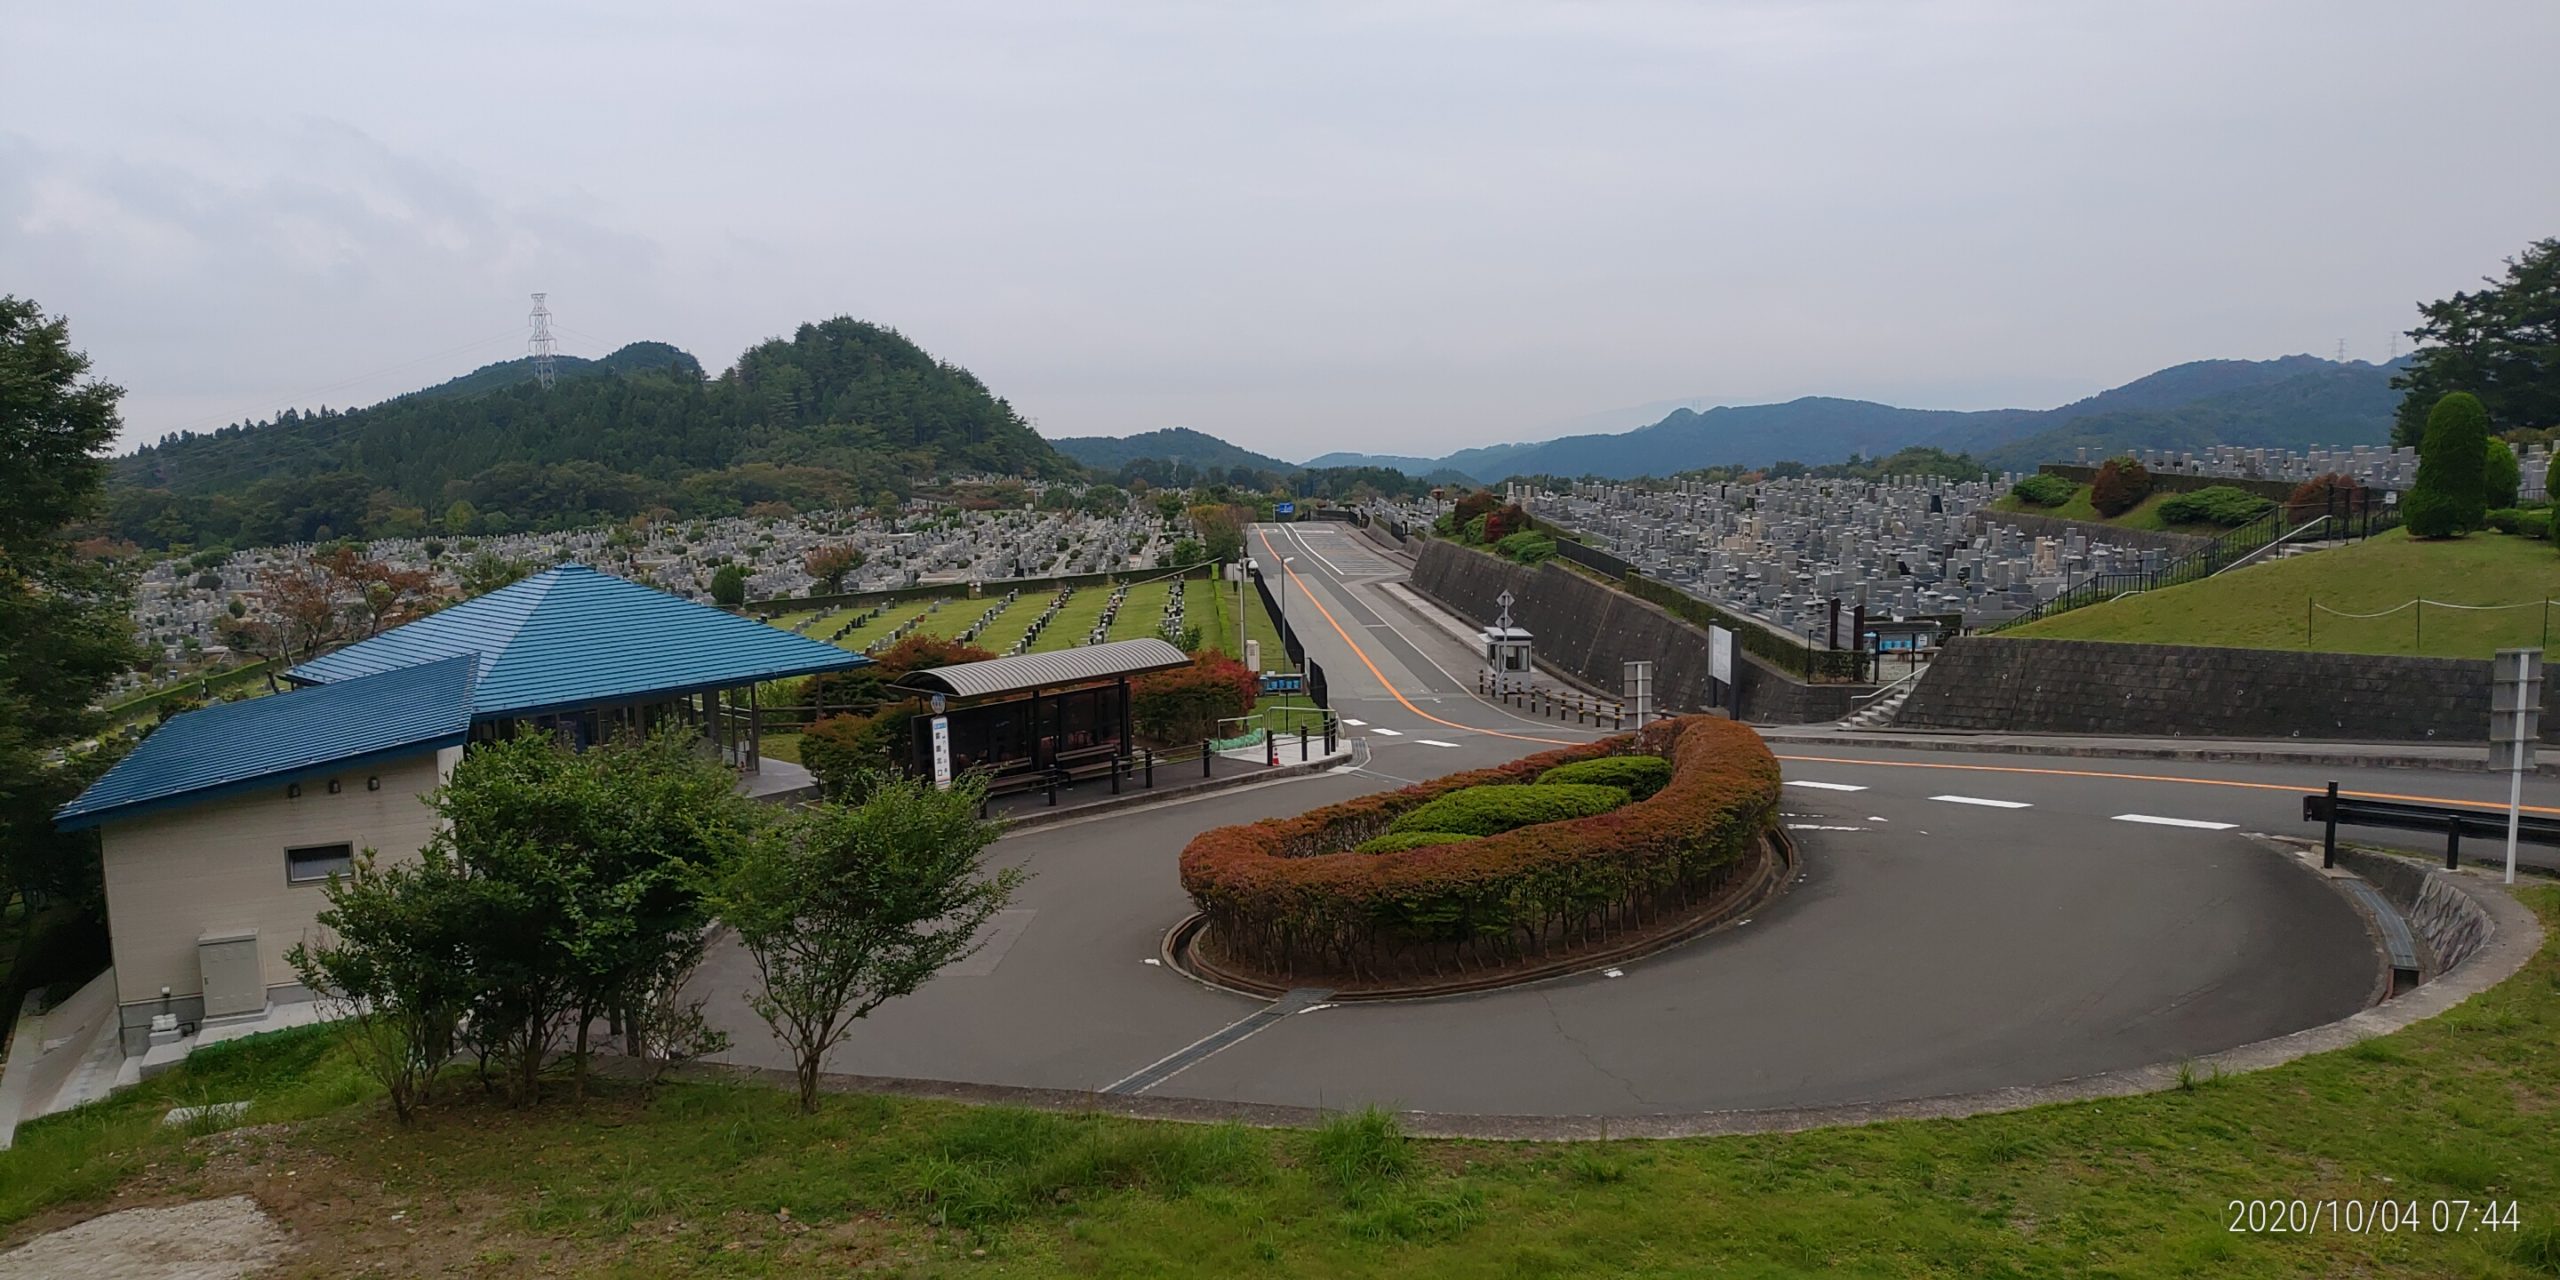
2271 544
1870 697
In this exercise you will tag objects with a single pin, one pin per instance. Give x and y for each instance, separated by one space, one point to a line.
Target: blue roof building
216 832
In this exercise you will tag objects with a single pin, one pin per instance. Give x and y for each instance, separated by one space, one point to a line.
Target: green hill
2272 605
1196 451
841 413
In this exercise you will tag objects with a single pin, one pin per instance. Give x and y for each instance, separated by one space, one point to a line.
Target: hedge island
1497 867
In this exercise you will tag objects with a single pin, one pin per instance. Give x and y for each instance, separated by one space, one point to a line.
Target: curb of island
2344 756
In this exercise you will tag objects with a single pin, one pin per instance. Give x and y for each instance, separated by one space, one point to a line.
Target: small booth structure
1032 715
1901 635
1508 660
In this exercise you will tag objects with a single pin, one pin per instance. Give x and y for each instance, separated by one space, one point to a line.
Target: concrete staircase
1879 711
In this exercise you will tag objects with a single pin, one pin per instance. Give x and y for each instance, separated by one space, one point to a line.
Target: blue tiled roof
571 636
233 746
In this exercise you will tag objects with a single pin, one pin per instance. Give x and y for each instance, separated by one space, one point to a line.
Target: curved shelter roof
1024 672
571 636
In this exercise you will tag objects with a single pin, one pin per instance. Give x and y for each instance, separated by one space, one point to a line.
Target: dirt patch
221 1239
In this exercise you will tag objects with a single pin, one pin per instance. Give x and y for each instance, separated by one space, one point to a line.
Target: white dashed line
2175 822
1987 804
1356 724
1816 826
1434 742
1825 786
1388 733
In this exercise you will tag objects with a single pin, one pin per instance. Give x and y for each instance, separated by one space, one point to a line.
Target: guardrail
2333 811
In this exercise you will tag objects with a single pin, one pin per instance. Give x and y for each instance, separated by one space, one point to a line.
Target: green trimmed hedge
1486 811
1638 776
1289 897
1399 841
2220 504
2044 490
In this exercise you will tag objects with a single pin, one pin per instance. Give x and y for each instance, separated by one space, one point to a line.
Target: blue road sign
1284 508
1284 682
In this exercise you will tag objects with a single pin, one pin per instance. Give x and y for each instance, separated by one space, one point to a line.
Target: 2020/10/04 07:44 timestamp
2360 1217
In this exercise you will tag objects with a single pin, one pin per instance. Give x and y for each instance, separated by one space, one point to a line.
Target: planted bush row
1288 896
1488 810
1638 776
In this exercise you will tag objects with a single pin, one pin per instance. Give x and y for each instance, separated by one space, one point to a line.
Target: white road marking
2175 822
1987 804
1816 826
1613 973
1434 742
1825 786
1356 724
1390 733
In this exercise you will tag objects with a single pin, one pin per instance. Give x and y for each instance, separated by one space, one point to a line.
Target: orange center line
1363 656
2155 777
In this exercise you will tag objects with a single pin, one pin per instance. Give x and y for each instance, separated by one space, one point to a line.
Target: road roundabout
1955 934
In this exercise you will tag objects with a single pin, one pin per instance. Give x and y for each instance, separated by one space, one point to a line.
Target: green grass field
2144 515
726 1180
2268 606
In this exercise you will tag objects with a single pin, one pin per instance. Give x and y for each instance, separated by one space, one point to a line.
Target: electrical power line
542 342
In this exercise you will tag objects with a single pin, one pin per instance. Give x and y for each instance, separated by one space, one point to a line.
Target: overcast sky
1395 227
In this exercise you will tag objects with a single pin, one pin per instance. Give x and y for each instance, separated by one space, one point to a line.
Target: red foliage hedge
1186 703
1281 895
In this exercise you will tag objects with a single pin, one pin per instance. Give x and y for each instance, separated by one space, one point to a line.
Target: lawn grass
2266 606
1143 611
2144 514
726 1180
897 612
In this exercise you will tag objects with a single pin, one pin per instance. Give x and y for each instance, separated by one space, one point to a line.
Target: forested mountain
2290 403
1182 445
841 413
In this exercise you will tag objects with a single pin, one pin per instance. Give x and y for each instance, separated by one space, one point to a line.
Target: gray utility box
233 980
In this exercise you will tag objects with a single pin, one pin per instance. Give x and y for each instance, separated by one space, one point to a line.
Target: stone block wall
2035 526
2078 686
1591 631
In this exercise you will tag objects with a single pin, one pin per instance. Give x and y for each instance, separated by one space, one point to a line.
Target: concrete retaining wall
2035 526
2449 921
1992 684
1591 631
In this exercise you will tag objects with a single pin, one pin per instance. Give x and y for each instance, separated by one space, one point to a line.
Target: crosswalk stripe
1987 804
1391 733
1356 724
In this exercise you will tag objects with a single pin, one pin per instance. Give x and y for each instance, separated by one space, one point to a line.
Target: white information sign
1720 654
942 752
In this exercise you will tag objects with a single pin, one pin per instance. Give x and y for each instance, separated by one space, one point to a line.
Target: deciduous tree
843 908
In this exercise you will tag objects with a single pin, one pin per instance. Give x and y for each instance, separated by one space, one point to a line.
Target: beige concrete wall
219 867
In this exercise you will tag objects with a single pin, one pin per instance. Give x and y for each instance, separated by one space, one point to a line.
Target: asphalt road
1962 923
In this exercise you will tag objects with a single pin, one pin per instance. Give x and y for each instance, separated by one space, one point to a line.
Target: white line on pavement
1391 733
1825 786
1987 804
2175 822
1356 724
1434 742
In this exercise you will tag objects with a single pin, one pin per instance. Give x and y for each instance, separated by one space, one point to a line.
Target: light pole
1285 562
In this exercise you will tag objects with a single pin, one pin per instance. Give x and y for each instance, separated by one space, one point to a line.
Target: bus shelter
1033 713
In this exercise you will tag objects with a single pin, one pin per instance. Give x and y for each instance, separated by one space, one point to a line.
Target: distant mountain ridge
2290 402
1192 449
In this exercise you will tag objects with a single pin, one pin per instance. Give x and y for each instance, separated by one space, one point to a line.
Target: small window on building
318 862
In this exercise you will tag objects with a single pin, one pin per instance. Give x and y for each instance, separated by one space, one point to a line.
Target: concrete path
1964 922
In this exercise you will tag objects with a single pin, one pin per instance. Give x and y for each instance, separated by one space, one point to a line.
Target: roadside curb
1141 799
2204 750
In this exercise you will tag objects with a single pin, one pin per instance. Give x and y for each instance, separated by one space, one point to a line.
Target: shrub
1186 703
1527 546
1638 776
1491 810
2446 501
1474 529
1399 841
1505 522
1283 895
840 750
2501 479
729 586
2219 504
2121 485
2527 523
2044 490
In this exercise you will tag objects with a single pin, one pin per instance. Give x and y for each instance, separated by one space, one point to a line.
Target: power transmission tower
2342 351
542 342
